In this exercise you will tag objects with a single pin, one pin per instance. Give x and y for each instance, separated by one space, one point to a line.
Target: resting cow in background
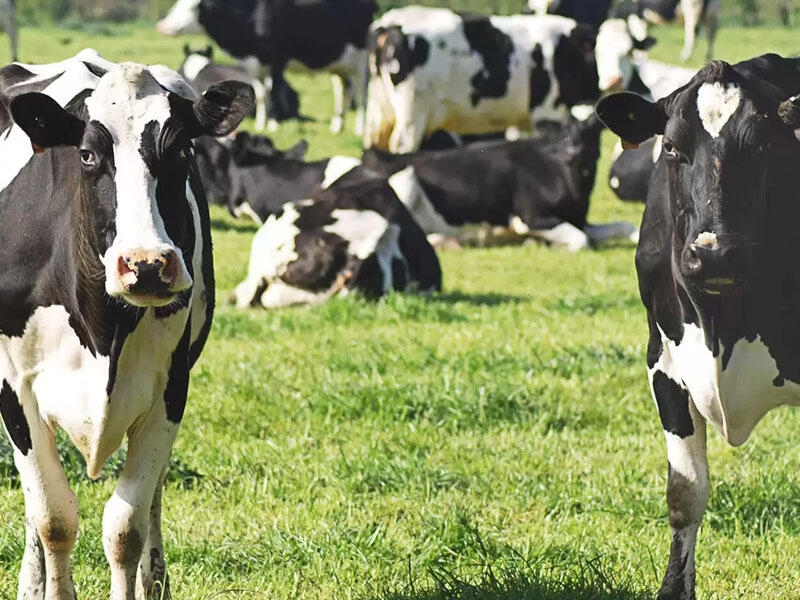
591 12
715 266
199 69
432 68
255 179
538 187
106 296
693 12
327 35
355 236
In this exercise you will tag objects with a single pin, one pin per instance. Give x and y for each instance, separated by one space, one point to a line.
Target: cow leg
51 520
152 574
563 236
339 103
687 485
409 130
690 22
260 90
610 231
712 24
128 515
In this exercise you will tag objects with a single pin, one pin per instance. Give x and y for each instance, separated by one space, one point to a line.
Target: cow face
182 18
133 154
722 139
614 51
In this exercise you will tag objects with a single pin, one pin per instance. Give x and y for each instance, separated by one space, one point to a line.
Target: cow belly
734 399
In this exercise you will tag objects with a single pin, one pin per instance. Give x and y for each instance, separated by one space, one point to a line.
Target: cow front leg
152 574
127 518
339 103
687 485
51 520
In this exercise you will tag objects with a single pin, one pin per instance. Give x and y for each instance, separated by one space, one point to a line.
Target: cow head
250 150
132 152
725 150
615 52
182 18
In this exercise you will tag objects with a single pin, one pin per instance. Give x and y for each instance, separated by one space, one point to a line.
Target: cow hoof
336 125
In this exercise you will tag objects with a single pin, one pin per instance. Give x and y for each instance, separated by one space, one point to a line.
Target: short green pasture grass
494 442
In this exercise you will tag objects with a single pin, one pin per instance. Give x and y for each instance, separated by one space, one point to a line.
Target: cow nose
717 269
153 271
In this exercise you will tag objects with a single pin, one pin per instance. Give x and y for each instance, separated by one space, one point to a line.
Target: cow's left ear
222 107
632 117
46 122
644 44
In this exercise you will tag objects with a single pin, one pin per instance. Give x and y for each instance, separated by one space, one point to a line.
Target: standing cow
327 35
432 68
716 271
106 296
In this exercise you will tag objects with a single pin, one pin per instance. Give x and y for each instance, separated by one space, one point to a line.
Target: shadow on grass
239 227
488 299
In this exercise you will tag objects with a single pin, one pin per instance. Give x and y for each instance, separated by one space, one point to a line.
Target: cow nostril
693 261
170 267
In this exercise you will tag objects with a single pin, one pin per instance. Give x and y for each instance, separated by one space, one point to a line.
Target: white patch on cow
733 400
661 78
716 105
407 187
638 27
614 182
362 229
193 64
617 151
582 112
182 18
706 239
658 142
614 52
337 166
125 100
245 210
564 236
539 7
518 226
280 294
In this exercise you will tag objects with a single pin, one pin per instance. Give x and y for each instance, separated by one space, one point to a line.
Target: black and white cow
591 12
355 236
715 266
537 187
639 13
255 179
200 70
432 68
8 20
106 296
327 35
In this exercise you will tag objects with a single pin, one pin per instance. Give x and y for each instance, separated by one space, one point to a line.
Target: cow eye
671 151
88 158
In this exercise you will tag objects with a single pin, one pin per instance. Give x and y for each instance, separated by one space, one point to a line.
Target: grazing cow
355 236
693 12
591 12
315 35
106 296
537 187
199 69
432 68
255 179
8 20
715 266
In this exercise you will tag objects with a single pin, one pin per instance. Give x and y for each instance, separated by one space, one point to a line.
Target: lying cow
255 179
639 13
199 69
718 237
537 187
355 236
106 296
304 35
432 68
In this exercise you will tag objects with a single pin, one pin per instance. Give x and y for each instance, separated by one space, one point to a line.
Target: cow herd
106 270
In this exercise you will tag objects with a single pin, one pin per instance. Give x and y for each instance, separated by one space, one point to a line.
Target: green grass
494 442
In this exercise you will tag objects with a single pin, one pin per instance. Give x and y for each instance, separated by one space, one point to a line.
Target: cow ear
632 117
46 122
298 151
222 107
789 113
248 151
644 44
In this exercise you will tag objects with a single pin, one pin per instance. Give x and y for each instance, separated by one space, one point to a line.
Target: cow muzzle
715 269
149 277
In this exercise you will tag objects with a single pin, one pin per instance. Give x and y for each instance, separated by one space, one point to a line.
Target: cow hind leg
687 485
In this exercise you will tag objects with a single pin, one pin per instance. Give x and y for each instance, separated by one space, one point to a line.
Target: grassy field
495 442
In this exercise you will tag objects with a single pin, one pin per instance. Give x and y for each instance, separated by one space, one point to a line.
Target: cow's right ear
46 122
632 117
222 107
298 151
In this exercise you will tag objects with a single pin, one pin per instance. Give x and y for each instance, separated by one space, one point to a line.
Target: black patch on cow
95 70
368 277
673 405
207 263
178 377
778 381
673 585
575 67
540 78
124 318
399 274
321 256
14 419
405 53
495 48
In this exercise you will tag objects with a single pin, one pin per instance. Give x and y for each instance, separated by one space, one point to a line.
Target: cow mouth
720 286
151 298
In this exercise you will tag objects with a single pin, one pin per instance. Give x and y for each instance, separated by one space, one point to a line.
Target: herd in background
443 99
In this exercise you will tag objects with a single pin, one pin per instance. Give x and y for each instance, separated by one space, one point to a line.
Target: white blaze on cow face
716 105
124 102
182 18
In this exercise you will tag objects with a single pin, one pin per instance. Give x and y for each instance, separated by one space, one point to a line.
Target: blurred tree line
742 12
